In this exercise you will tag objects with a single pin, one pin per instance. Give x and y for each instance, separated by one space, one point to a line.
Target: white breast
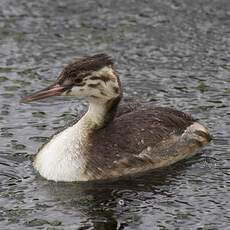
62 159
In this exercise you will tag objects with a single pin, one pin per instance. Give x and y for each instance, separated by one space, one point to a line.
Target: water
170 52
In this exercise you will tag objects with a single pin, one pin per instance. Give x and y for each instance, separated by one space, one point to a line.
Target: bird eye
78 80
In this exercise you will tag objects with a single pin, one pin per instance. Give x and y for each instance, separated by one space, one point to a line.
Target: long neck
99 114
102 109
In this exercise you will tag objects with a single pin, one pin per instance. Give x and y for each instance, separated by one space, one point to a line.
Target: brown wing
131 132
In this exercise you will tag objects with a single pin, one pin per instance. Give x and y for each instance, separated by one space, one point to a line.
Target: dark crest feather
83 66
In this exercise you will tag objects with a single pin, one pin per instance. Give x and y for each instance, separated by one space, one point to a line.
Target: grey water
172 53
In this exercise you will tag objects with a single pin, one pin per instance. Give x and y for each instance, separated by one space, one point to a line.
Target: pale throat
98 115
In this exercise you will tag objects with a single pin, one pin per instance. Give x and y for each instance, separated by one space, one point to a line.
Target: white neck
64 157
97 115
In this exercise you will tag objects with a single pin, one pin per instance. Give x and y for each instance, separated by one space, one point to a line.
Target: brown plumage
135 130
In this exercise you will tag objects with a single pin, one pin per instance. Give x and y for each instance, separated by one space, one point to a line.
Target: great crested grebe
110 140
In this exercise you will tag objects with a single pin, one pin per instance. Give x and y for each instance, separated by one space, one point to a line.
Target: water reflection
169 52
113 205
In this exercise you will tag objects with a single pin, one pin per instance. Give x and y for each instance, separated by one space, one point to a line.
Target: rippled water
175 53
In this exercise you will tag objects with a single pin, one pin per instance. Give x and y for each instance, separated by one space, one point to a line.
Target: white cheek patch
83 91
77 91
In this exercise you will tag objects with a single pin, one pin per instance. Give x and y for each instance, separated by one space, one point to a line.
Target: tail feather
203 134
198 133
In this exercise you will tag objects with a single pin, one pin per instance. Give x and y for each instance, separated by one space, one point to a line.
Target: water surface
172 53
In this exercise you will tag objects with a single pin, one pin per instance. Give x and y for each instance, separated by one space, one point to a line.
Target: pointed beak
52 90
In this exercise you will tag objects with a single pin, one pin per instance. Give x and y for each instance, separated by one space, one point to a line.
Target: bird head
91 77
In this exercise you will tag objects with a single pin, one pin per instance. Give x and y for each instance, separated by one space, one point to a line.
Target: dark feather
134 129
83 66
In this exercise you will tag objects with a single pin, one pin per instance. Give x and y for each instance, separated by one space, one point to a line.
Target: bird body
110 140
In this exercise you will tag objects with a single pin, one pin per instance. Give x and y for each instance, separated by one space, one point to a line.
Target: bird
111 139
